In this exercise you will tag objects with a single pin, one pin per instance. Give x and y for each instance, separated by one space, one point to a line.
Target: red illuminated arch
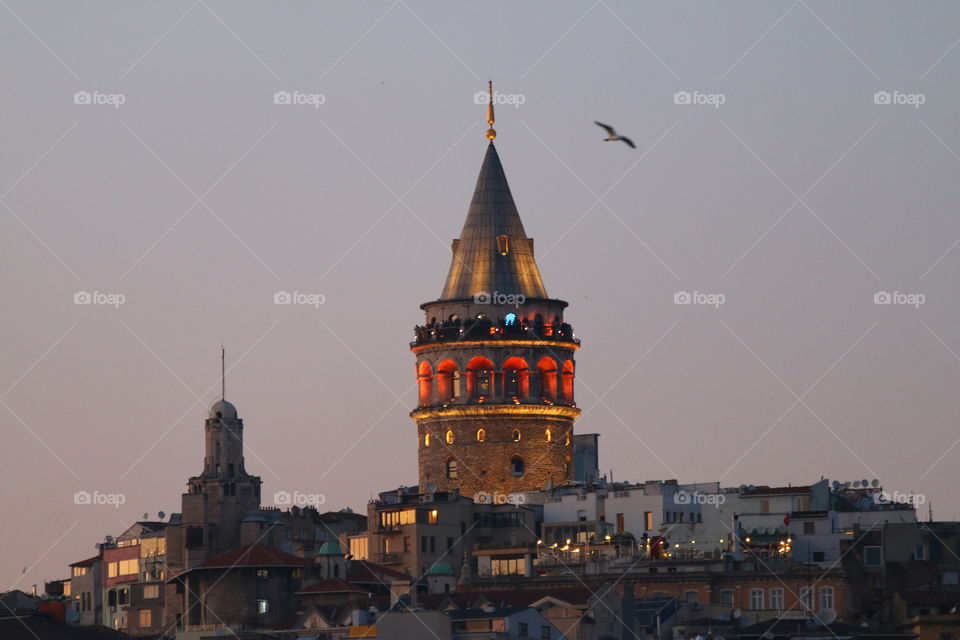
567 380
425 382
480 378
547 370
448 381
516 378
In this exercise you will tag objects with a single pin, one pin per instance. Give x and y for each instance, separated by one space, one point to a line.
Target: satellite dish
847 484
161 515
875 483
856 484
146 516
736 613
863 482
431 488
827 616
836 484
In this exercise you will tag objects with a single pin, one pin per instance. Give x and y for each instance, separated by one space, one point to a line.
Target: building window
503 245
566 440
423 544
452 469
516 466
151 591
548 435
621 525
776 599
146 619
756 599
450 436
433 544
262 574
726 597
523 630
809 528
426 439
806 598
263 606
516 435
545 632
507 567
826 598
433 516
648 520
691 596
872 556
764 506
919 552
481 435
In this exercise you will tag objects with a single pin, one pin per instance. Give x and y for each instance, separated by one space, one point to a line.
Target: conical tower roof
493 253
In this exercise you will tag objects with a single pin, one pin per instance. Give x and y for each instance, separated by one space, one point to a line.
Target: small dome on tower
330 548
223 409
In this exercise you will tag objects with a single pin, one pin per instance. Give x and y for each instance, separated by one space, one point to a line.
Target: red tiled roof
89 562
367 572
253 555
333 585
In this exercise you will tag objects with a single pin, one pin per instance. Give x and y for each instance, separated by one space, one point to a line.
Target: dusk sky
814 167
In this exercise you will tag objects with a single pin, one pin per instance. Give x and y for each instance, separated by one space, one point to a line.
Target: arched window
566 468
452 469
426 439
449 436
425 383
448 381
336 571
481 435
567 380
516 378
548 435
547 372
516 466
566 440
516 435
479 378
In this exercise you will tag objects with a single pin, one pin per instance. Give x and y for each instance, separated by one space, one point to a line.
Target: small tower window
426 439
566 440
516 466
503 246
452 469
481 435
449 436
548 435
516 435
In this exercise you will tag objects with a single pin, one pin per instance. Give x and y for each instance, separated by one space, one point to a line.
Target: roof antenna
491 133
223 372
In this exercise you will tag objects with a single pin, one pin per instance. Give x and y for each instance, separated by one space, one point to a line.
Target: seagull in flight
613 136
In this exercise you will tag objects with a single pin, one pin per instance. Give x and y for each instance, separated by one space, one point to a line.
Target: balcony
393 557
486 329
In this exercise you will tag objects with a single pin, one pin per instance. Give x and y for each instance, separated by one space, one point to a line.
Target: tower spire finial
491 133
223 372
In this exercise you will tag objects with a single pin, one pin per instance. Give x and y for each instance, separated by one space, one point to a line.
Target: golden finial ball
491 134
